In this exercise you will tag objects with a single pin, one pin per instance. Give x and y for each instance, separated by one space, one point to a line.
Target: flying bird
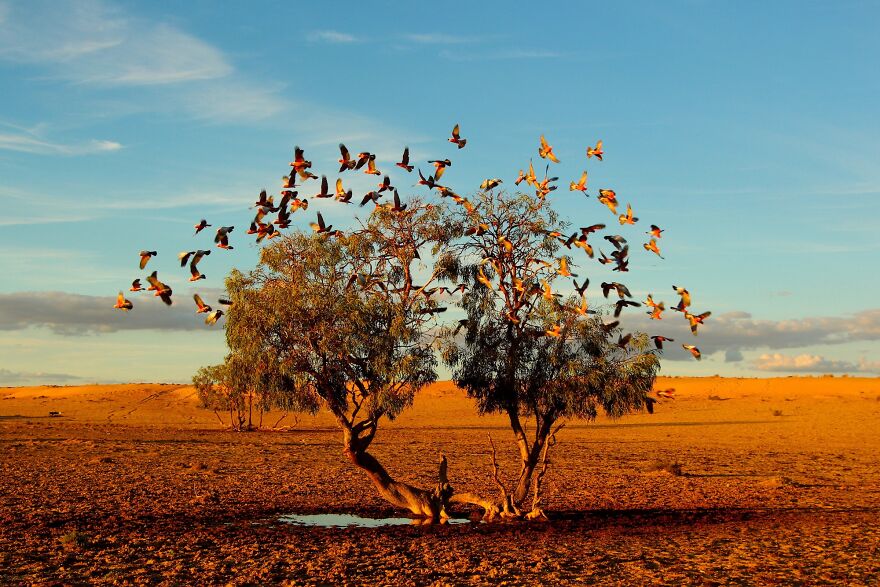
546 151
162 291
581 288
122 303
652 247
580 186
404 161
201 226
212 317
609 198
146 256
656 231
666 393
299 162
685 300
341 194
371 166
385 185
222 237
596 151
696 320
693 350
325 188
622 290
136 285
456 139
201 306
555 331
345 161
659 340
193 269
319 227
488 184
628 217
619 305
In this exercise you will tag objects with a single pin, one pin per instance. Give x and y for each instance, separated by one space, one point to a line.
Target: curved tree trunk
418 501
421 502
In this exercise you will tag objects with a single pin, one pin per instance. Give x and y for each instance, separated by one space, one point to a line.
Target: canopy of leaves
506 360
337 322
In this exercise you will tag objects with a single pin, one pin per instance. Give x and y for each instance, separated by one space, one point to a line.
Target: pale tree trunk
421 502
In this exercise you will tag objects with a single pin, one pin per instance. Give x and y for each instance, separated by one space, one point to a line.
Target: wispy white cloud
437 38
95 44
331 37
27 143
500 54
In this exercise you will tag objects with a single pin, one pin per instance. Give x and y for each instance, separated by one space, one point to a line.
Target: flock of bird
263 226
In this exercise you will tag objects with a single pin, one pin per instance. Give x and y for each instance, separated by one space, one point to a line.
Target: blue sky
749 131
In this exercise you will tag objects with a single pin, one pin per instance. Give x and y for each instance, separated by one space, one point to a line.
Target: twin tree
350 323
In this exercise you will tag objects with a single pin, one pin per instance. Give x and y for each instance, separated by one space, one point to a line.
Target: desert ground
779 483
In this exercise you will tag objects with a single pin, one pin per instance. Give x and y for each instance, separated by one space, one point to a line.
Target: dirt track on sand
134 484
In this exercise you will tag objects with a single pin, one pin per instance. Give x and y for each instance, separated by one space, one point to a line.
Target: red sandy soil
135 484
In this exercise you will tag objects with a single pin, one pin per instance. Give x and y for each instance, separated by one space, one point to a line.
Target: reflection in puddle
350 520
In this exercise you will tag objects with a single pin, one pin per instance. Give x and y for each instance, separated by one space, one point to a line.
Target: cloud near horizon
70 314
10 378
734 332
807 363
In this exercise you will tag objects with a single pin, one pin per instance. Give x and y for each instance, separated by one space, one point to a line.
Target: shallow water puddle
351 520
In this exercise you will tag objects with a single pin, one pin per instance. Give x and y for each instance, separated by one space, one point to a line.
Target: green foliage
506 361
337 322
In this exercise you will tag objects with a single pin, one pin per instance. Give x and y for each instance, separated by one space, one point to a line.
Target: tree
528 352
347 322
339 323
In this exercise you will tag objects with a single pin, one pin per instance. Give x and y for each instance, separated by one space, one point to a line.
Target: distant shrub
74 539
666 466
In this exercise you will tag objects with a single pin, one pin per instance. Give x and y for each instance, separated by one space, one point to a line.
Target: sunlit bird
122 303
659 340
136 286
145 257
162 291
222 237
652 247
385 185
456 138
596 151
546 151
488 184
656 231
371 166
580 186
345 161
201 306
627 218
685 300
213 316
696 320
693 350
193 265
404 161
203 224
